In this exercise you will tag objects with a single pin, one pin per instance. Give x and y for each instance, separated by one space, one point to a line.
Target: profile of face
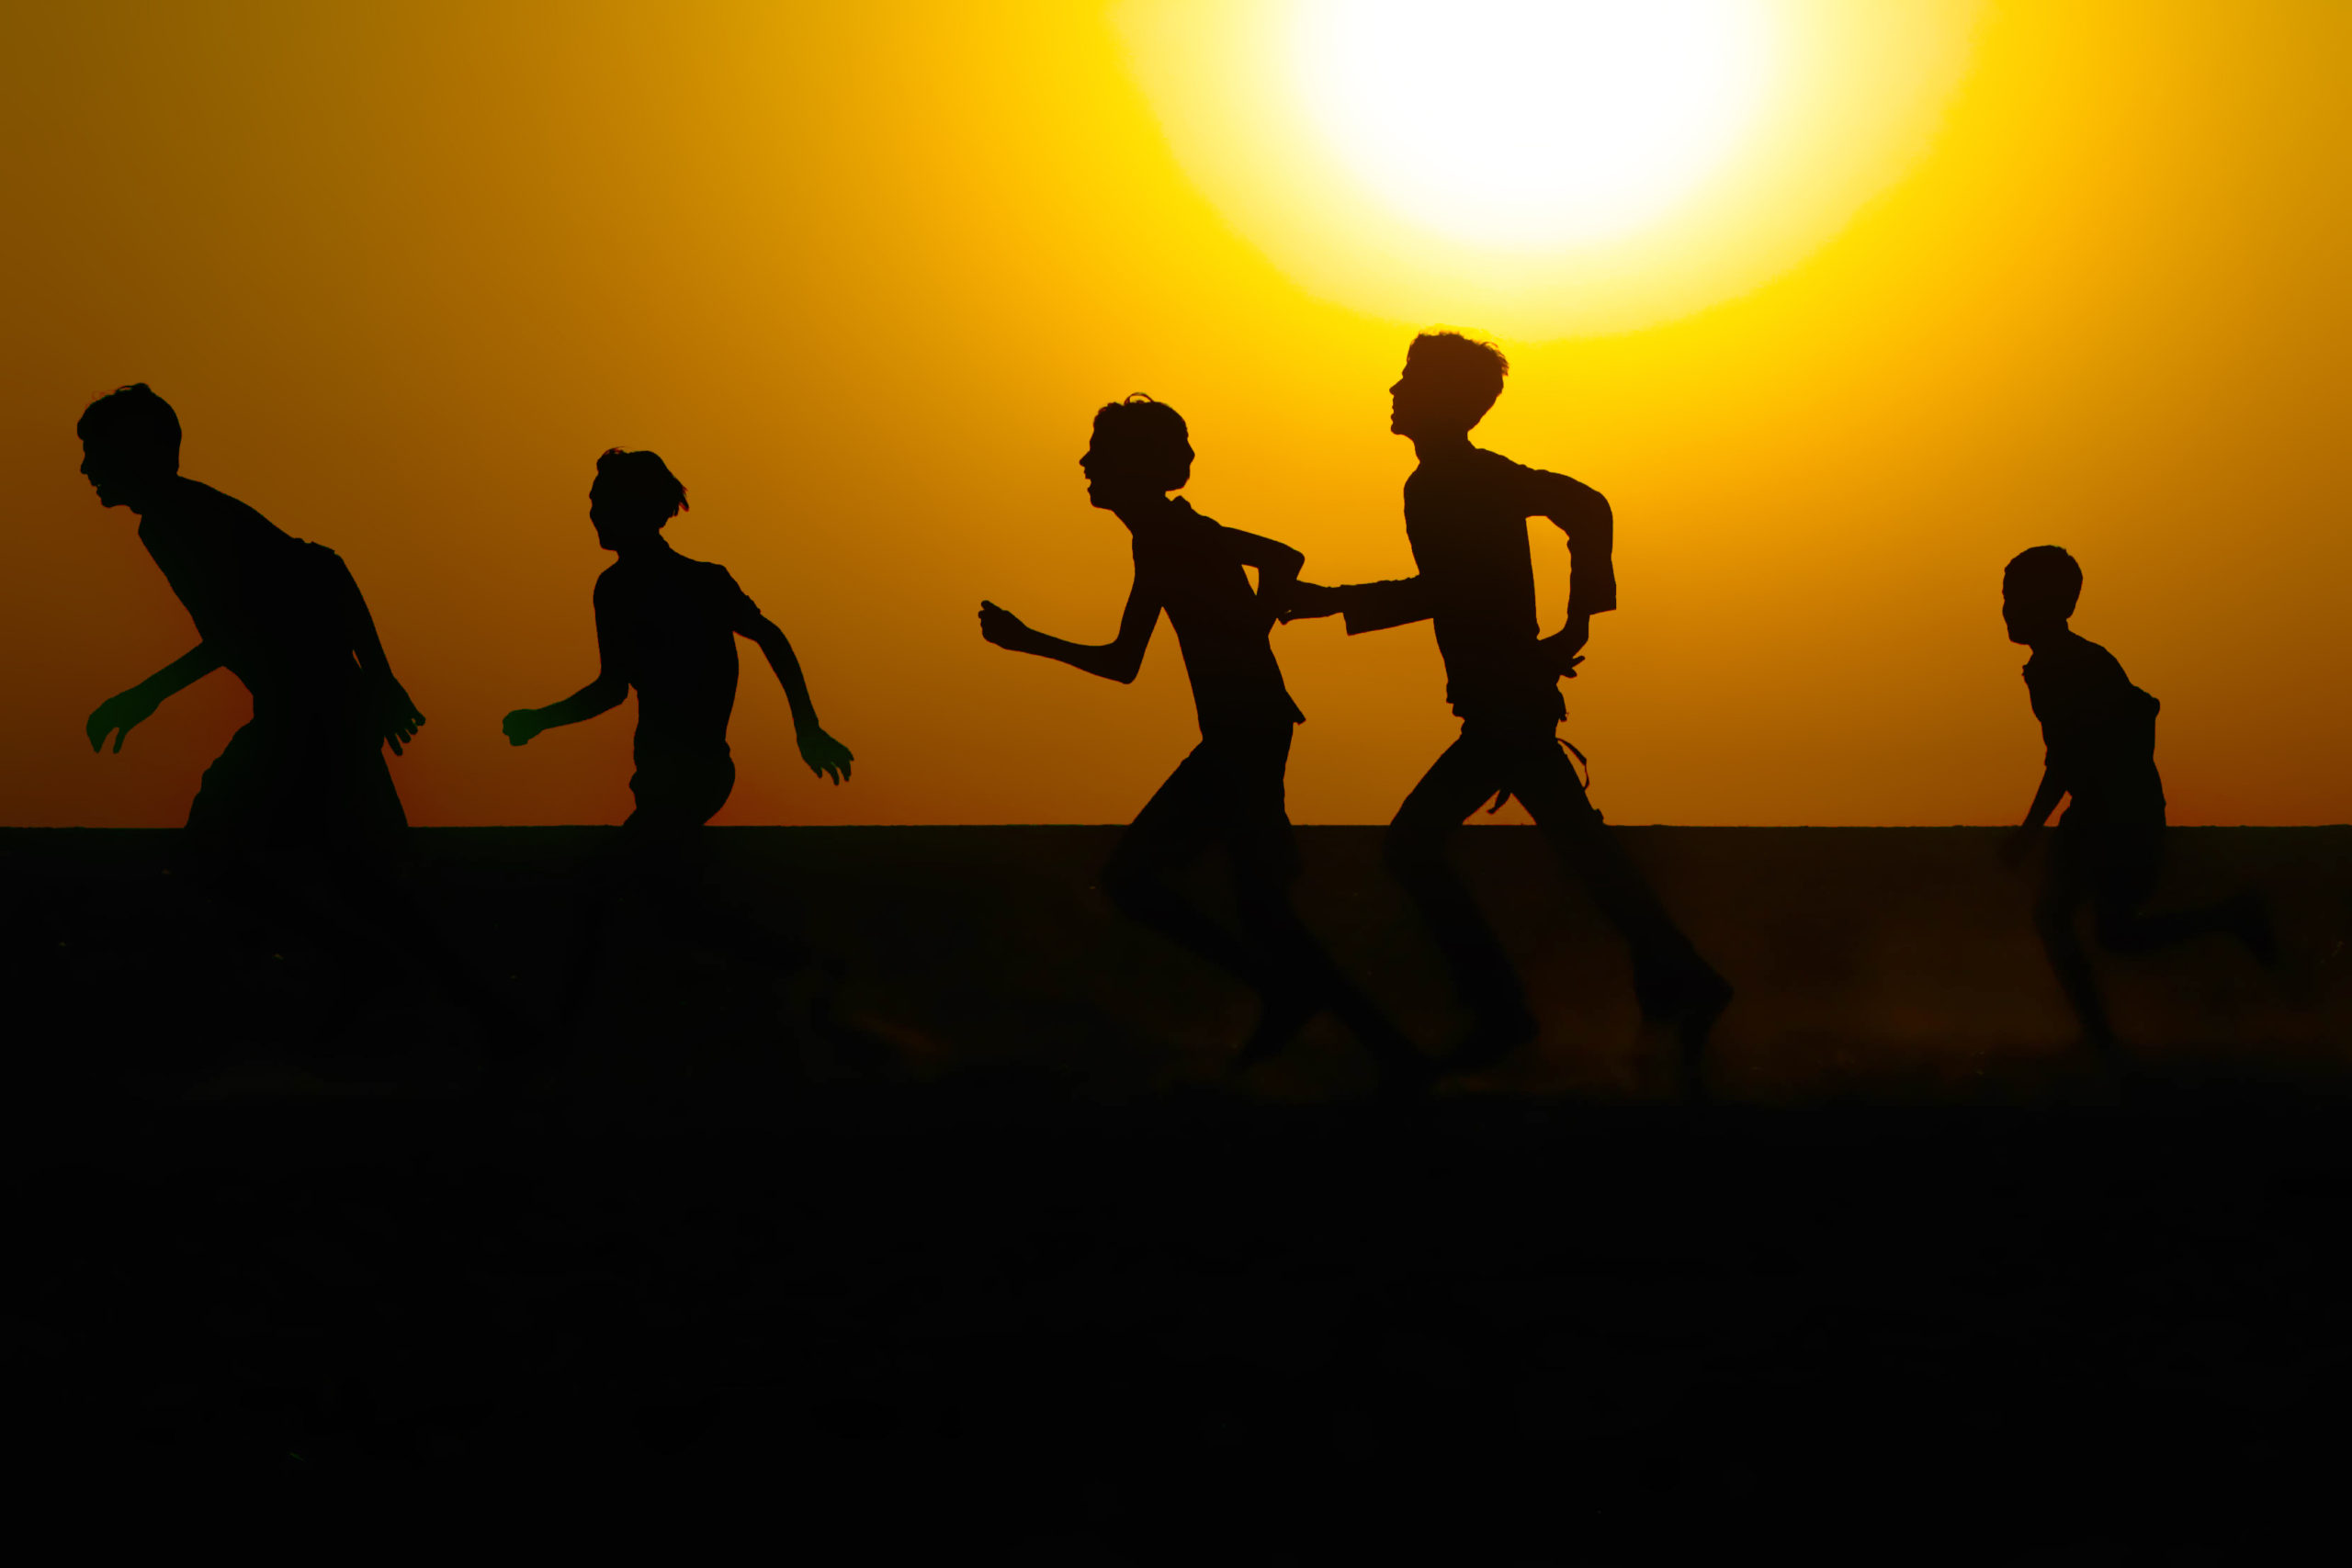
1421 404
619 524
123 476
2031 617
1113 479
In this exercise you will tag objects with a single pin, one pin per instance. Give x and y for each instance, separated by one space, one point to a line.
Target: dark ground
1025 1280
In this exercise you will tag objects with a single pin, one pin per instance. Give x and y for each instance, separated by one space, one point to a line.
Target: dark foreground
971 1304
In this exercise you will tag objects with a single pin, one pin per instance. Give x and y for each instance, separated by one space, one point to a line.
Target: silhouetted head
1140 452
1450 382
131 445
2037 594
633 494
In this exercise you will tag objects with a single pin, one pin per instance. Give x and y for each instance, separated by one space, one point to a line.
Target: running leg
2054 913
1456 784
1182 817
1674 984
2123 927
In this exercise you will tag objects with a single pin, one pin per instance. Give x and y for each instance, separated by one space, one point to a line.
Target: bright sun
1544 168
1532 124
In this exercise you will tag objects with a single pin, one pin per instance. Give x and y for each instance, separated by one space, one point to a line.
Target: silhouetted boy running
306 777
1465 515
666 626
2100 734
1229 789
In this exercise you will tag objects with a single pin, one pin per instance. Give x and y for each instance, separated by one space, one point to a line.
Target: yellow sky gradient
862 274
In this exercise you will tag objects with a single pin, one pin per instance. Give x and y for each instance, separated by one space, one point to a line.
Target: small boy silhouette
2100 734
666 626
1466 516
304 784
1229 789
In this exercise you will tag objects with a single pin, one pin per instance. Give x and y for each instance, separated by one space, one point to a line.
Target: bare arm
123 712
770 639
181 672
2046 798
1368 606
1118 660
1582 513
599 695
398 717
2045 801
826 757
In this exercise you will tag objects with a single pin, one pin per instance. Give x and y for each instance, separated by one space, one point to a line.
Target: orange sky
862 274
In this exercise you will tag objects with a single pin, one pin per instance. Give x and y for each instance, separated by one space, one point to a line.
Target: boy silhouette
304 785
1229 789
1466 516
666 627
2099 731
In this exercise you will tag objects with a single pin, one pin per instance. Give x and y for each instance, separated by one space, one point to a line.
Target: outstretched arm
125 711
1116 660
826 757
1369 607
598 695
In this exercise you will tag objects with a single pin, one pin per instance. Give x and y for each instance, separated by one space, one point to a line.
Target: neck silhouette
632 539
1142 510
1436 445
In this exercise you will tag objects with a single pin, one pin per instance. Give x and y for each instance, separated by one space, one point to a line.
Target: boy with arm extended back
2100 734
1229 789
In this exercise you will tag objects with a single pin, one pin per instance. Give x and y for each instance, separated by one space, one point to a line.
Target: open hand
397 714
1003 627
520 725
824 754
118 713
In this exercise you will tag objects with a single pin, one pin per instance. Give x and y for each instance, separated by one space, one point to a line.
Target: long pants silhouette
1229 792
2114 869
1529 764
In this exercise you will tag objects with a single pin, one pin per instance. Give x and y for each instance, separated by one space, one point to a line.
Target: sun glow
1531 123
1545 169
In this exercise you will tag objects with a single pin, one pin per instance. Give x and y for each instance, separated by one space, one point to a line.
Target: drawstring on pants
1503 794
